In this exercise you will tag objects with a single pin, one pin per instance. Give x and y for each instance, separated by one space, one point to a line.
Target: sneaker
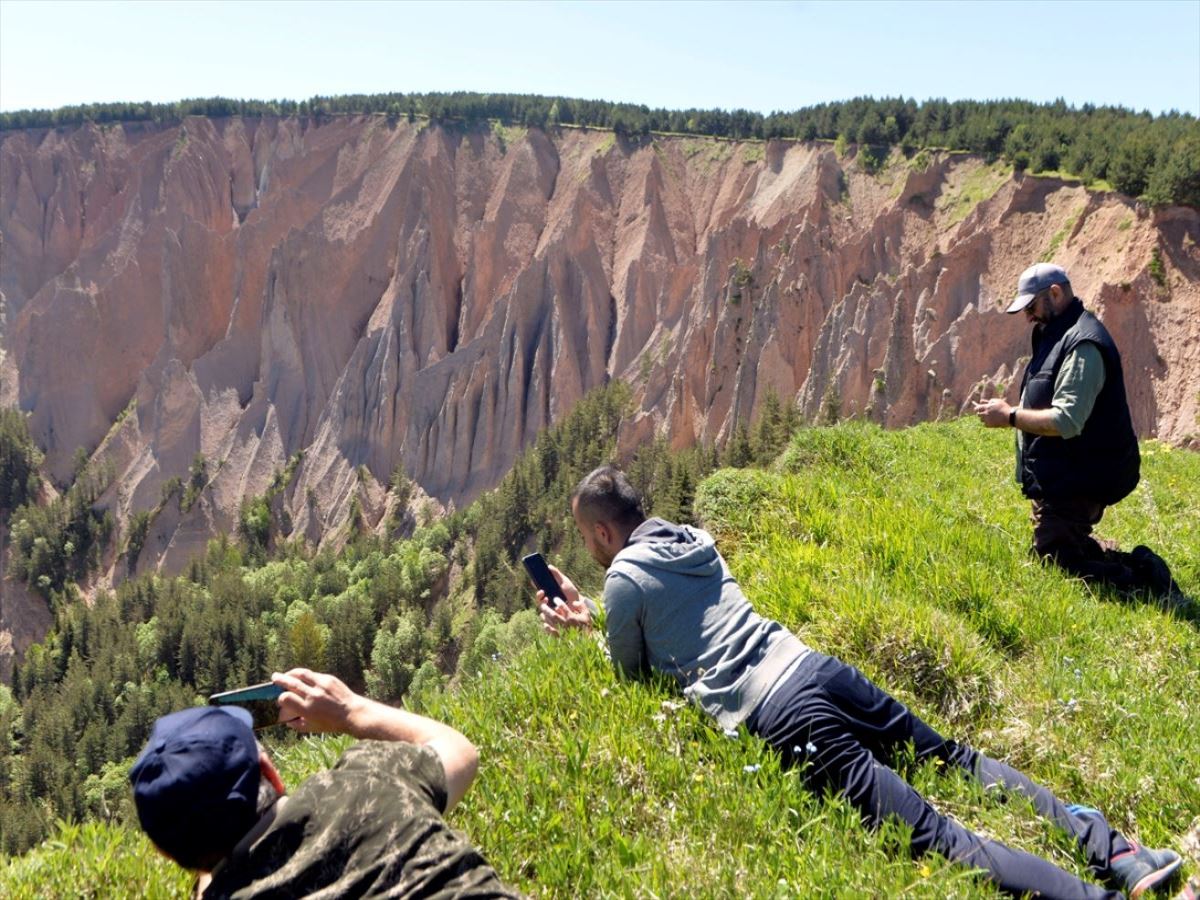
1151 569
1141 869
1191 890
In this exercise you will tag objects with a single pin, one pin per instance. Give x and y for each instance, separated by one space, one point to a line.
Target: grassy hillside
902 552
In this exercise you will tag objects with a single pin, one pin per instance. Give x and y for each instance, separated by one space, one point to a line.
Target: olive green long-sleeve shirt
1076 388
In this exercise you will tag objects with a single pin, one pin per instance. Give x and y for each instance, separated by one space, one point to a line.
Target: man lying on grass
672 605
210 798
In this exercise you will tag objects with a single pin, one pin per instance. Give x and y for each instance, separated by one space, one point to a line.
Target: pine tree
738 452
307 644
770 432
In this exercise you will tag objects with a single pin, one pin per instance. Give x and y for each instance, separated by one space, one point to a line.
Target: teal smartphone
257 699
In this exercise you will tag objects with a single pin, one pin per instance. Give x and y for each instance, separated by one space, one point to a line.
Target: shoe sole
1155 878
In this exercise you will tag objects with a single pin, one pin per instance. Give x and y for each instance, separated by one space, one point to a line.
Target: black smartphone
258 699
535 565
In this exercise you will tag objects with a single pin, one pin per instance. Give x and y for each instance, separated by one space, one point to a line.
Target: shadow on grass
1175 603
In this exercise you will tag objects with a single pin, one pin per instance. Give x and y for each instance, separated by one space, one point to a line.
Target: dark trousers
1062 533
830 719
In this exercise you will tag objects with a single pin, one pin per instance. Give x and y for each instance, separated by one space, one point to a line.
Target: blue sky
757 55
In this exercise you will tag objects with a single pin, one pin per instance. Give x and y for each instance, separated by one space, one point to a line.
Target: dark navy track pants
828 717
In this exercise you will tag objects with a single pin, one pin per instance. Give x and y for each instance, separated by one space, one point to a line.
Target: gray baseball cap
1033 281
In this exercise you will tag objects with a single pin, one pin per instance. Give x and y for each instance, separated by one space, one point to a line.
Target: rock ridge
357 296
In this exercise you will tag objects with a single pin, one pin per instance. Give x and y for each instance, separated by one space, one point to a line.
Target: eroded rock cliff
373 295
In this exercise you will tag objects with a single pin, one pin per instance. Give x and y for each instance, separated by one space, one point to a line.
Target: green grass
93 860
707 152
977 187
754 152
1092 184
1060 236
902 552
610 141
507 135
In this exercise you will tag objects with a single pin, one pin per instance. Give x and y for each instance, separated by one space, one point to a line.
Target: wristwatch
1012 417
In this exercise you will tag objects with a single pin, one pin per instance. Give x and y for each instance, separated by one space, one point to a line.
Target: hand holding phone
535 565
260 700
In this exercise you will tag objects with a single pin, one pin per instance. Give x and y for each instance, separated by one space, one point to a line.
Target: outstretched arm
316 703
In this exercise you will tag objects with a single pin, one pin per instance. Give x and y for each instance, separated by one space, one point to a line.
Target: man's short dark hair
605 495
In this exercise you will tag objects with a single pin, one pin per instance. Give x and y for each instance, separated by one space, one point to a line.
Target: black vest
1100 464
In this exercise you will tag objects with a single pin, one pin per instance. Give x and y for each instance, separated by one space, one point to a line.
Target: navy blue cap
195 783
1033 281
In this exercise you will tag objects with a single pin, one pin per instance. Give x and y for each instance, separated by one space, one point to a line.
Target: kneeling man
1076 450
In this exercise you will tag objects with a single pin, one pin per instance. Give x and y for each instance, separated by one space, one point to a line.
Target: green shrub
254 524
1158 272
19 462
59 543
197 478
139 527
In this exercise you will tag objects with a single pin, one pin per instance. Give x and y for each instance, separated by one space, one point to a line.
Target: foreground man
671 605
1076 449
211 799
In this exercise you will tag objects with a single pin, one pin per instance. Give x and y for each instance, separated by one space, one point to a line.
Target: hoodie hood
680 549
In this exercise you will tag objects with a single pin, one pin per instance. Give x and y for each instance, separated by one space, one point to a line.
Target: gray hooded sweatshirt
671 605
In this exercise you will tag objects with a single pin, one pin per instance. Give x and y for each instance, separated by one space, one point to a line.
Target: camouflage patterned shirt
369 827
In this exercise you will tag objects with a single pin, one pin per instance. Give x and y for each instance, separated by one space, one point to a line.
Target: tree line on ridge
1136 153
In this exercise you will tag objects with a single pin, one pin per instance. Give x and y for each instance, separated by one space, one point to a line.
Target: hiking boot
1140 869
1151 569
